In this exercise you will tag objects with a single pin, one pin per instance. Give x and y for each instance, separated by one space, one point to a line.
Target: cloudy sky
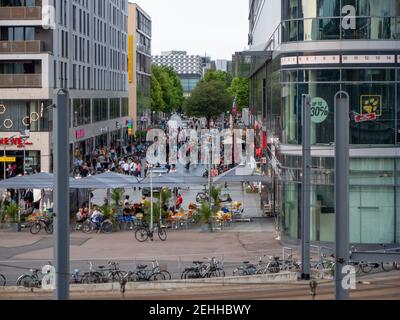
216 27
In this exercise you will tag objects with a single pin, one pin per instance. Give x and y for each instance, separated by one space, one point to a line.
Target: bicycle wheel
201 197
166 274
141 235
87 227
157 277
107 227
388 266
162 234
35 228
89 278
366 267
3 280
49 228
116 276
26 281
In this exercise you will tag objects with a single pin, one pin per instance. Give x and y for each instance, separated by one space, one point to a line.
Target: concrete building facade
139 66
46 45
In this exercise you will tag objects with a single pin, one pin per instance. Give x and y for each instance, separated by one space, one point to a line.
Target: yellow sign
8 159
371 104
130 58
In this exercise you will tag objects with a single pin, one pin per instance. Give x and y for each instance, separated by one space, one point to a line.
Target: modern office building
319 48
46 45
139 66
188 67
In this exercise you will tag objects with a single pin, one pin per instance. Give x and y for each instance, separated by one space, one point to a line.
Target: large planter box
13 227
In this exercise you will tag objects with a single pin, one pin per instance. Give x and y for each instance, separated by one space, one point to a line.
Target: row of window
294 9
87 111
87 78
365 28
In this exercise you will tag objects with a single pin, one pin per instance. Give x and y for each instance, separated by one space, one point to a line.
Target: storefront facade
321 48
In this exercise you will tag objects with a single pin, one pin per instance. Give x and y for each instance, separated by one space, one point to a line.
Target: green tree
209 100
157 102
240 89
177 90
223 76
171 88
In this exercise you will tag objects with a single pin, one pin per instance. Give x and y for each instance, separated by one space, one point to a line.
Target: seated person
80 218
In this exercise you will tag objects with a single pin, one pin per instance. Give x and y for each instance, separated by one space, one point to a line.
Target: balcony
21 13
34 46
20 80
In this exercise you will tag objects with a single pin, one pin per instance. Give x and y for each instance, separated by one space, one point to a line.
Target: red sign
18 142
365 117
80 133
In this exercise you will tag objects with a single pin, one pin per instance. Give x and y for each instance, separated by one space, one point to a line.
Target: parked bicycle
144 233
142 273
104 274
246 269
33 279
273 266
45 223
200 269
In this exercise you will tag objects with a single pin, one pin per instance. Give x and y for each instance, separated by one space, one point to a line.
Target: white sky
216 27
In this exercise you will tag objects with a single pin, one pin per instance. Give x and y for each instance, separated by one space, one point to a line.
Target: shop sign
79 134
319 110
8 159
365 117
18 142
371 104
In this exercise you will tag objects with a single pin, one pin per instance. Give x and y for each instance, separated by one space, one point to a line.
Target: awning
36 181
172 180
108 180
241 174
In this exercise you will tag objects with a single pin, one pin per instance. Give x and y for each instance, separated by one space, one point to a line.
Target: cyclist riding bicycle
97 217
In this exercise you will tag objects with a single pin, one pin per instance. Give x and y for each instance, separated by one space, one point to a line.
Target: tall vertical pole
151 199
4 163
210 182
342 137
61 195
306 187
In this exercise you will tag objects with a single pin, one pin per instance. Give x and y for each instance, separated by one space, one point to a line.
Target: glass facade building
319 48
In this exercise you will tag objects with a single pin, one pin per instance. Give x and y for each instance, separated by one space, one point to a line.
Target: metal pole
24 160
342 137
210 184
61 195
306 187
151 200
5 174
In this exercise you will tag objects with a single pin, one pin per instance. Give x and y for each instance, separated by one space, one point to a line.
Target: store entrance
10 170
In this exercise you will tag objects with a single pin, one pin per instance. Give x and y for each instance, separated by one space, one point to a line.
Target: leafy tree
209 100
157 101
171 89
177 90
223 76
240 89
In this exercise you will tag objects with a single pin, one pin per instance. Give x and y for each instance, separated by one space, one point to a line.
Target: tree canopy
209 99
168 81
218 75
240 89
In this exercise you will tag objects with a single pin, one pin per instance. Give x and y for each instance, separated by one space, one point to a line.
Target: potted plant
10 212
206 214
116 196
